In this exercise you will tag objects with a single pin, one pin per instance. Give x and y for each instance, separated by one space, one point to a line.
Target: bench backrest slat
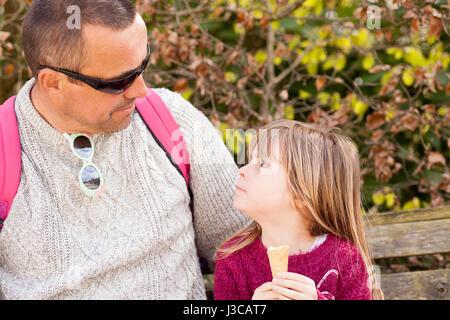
411 233
408 216
417 285
409 239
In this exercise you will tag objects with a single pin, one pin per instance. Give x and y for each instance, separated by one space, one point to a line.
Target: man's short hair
48 40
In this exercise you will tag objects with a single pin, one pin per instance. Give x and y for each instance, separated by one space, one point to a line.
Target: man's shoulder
184 113
173 100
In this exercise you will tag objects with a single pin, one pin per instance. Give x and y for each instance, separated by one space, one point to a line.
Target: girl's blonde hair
323 173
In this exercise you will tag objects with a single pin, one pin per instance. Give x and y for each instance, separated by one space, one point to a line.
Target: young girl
302 189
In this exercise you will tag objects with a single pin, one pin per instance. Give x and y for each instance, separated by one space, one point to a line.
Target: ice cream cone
278 258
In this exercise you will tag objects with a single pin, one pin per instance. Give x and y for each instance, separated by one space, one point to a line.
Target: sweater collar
318 251
27 113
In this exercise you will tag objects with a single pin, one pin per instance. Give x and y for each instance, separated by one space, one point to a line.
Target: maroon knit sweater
335 266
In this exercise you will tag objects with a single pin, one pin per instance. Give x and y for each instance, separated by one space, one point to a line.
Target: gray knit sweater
137 240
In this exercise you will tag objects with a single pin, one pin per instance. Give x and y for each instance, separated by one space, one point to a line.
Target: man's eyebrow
127 73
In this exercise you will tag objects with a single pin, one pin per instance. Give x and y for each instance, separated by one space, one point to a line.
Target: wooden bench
411 233
403 234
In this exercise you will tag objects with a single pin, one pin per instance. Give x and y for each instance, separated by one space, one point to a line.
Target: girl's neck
298 240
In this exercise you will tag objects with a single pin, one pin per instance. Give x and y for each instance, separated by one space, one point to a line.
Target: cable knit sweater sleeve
213 175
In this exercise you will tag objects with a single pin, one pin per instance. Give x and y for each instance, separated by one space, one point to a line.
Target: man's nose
138 89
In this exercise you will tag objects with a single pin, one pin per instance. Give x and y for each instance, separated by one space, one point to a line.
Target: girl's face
262 190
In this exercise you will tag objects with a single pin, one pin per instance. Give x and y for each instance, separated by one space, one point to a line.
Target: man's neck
41 104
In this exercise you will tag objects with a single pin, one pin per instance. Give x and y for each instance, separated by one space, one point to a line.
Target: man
137 239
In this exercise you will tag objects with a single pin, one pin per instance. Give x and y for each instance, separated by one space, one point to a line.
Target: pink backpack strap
166 132
10 158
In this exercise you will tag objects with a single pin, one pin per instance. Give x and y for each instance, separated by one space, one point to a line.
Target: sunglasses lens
90 177
82 146
118 86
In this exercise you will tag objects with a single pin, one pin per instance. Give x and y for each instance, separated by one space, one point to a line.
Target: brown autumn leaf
340 117
202 69
195 29
173 37
430 108
438 83
375 120
377 134
408 4
249 23
445 183
379 35
428 9
181 85
258 91
419 75
446 187
435 27
388 87
9 69
320 82
265 21
410 122
4 35
415 25
360 13
314 116
9 46
232 58
241 16
388 35
409 14
435 157
380 67
218 48
242 82
383 161
436 199
218 11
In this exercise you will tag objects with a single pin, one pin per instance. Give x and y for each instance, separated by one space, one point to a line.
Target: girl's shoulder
237 248
346 252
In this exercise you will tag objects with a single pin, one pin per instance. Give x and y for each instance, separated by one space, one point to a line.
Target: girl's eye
264 164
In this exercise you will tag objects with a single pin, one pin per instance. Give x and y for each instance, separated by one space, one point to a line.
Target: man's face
109 54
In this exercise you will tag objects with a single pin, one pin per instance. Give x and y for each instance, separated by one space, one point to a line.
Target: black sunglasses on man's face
108 86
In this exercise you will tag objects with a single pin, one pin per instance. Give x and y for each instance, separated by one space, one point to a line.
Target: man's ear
50 81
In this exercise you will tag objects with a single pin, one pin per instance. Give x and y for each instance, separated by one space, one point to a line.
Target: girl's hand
265 292
294 286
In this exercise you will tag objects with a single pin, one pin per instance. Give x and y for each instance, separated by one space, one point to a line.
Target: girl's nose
242 174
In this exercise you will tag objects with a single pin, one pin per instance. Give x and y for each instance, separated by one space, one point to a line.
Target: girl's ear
297 203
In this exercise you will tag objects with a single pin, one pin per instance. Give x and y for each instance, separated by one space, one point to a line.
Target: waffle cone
278 258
